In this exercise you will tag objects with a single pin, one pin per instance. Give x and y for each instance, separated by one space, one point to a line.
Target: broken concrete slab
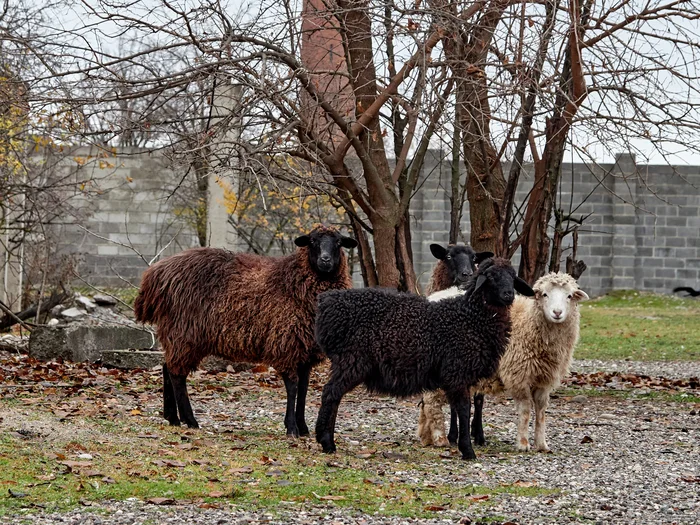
104 300
131 359
86 303
77 342
73 313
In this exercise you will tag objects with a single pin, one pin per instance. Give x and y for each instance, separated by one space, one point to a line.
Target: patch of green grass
127 294
254 470
641 327
630 393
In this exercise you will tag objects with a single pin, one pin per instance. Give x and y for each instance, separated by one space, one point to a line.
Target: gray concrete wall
644 231
126 205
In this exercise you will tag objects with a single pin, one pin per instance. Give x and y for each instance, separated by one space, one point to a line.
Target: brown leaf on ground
240 470
521 483
329 498
478 497
161 501
75 464
587 439
434 508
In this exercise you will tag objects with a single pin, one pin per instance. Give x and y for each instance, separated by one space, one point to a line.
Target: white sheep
545 331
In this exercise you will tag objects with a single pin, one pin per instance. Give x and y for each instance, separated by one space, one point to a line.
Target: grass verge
640 327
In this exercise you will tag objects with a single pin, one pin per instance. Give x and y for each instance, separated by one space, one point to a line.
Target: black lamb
402 345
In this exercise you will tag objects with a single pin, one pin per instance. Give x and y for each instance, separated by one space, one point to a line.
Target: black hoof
468 455
479 440
327 444
192 424
174 422
294 432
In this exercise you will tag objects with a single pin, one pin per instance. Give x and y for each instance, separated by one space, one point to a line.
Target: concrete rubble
94 329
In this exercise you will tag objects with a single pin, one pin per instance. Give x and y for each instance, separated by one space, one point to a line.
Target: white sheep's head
556 294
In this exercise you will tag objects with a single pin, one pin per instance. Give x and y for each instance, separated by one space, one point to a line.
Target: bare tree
494 81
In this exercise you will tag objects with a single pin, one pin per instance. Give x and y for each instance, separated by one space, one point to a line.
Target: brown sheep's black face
461 261
499 284
324 249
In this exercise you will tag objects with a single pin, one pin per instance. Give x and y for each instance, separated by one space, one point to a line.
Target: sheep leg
304 373
523 405
290 419
182 399
540 396
454 429
461 402
477 421
340 383
169 403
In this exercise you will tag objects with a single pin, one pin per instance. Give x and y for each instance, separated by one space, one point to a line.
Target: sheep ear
481 256
479 282
522 287
580 295
347 242
438 251
302 241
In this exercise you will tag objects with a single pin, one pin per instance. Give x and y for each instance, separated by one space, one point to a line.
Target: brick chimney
323 56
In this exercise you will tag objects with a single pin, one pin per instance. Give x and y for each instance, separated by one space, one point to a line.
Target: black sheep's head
498 282
461 261
324 247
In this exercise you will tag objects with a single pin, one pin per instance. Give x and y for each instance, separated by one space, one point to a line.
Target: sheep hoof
542 448
303 430
192 424
441 442
469 455
174 422
480 441
293 433
523 447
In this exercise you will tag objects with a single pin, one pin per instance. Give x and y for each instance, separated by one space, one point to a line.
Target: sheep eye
544 295
570 296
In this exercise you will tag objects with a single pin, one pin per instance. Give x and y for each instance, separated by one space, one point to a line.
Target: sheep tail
146 301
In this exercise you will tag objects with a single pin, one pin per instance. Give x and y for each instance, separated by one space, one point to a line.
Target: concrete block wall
128 206
643 231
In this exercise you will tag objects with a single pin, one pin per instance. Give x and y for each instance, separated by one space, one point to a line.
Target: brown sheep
243 307
455 266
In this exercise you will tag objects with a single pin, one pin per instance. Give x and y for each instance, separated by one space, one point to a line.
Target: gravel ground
614 460
667 369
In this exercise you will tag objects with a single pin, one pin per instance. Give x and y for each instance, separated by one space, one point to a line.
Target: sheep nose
507 296
325 258
557 313
466 273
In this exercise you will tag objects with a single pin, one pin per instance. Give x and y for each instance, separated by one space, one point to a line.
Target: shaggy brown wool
243 307
441 278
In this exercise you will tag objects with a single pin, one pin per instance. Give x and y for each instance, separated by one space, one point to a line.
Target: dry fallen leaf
240 470
435 508
328 498
521 483
161 501
480 497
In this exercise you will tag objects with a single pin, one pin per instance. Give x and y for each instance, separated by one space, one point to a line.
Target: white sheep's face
556 302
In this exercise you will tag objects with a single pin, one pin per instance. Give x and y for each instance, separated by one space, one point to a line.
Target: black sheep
402 345
691 292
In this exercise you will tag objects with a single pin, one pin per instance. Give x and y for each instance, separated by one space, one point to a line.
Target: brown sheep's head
461 261
324 247
498 282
